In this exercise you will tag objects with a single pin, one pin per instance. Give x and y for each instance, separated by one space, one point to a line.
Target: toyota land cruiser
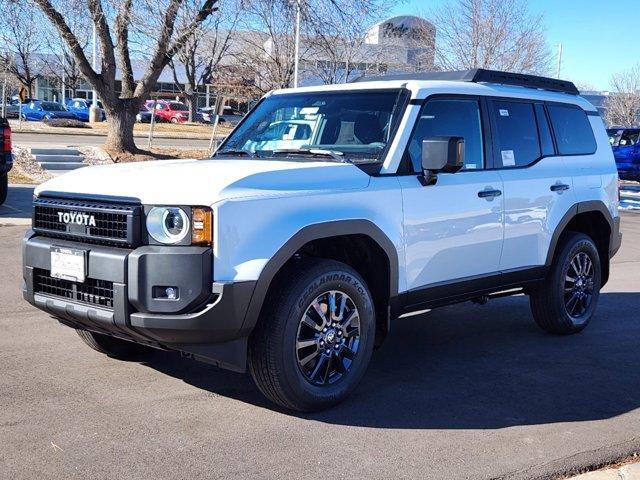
327 213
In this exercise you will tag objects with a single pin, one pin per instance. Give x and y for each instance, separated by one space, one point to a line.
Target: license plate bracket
68 263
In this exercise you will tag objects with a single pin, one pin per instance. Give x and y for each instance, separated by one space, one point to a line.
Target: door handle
489 193
559 187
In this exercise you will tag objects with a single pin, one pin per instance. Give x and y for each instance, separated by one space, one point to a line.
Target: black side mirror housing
440 154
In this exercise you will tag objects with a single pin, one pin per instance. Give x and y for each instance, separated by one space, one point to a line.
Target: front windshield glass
357 125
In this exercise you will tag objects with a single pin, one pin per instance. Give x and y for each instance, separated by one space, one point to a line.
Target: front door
453 229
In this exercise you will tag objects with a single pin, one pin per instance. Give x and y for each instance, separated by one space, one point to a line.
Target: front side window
572 130
354 126
517 139
449 118
52 107
177 106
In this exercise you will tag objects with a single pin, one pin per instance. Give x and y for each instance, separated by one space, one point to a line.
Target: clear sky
598 37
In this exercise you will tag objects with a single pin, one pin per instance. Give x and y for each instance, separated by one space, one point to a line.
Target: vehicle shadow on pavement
18 204
476 367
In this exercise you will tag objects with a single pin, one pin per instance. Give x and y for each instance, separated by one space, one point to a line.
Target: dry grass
162 153
19 177
166 130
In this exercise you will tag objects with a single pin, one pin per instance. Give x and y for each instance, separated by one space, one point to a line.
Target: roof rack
480 75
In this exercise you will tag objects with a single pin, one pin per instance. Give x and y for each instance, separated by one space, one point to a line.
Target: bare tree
21 41
59 62
495 34
204 51
337 38
117 22
622 106
265 47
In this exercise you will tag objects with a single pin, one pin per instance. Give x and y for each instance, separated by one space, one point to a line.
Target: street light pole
297 45
559 60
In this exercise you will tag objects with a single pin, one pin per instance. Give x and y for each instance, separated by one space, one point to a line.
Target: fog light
166 293
171 293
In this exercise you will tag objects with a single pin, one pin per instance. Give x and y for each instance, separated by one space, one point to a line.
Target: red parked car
174 112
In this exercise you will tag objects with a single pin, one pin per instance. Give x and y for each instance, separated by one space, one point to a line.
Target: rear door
538 185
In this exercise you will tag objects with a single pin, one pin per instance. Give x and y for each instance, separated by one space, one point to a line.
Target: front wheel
314 339
174 120
566 301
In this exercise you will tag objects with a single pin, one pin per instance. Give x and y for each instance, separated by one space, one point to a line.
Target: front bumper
205 321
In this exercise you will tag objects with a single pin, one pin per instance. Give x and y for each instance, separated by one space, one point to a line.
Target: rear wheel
314 339
113 347
174 120
4 187
566 301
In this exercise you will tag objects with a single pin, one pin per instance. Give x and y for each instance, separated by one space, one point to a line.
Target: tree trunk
192 103
120 133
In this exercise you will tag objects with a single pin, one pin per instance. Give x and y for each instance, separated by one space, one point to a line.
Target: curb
15 222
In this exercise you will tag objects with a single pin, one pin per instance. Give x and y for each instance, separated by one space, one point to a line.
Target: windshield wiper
249 153
335 154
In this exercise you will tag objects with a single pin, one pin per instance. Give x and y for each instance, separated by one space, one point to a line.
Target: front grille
88 221
92 291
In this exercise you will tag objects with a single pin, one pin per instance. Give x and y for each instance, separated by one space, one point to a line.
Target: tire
174 120
278 358
566 301
4 187
113 347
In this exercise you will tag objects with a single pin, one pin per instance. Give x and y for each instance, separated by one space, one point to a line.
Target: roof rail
480 75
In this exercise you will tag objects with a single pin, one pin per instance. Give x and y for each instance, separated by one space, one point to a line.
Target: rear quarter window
572 130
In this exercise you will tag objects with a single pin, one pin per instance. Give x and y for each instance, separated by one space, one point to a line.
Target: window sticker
508 158
504 112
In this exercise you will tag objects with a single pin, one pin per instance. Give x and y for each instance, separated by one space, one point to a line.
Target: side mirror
442 154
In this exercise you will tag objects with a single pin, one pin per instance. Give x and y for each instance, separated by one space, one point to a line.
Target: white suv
327 213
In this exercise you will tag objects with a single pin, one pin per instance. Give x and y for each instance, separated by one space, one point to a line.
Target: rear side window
572 130
517 136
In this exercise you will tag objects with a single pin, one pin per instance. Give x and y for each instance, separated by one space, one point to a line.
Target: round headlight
167 224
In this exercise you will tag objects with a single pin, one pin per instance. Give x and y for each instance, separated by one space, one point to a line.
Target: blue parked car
81 107
626 149
41 110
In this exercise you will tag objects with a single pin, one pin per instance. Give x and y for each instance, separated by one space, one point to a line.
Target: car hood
205 182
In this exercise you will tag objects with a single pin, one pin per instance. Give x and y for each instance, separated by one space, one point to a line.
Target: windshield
52 107
355 124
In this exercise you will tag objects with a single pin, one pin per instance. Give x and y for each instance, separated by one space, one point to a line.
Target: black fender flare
583 207
315 232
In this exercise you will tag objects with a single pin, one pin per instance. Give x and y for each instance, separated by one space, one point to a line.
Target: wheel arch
594 219
316 232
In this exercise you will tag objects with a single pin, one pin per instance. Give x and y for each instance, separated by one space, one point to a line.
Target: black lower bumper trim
212 330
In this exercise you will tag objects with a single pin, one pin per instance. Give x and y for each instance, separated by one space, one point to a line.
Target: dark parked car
144 116
6 161
626 149
41 110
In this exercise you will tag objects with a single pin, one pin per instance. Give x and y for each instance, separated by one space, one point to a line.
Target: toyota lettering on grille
77 218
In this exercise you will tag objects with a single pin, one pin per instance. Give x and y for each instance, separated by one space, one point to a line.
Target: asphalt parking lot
466 391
